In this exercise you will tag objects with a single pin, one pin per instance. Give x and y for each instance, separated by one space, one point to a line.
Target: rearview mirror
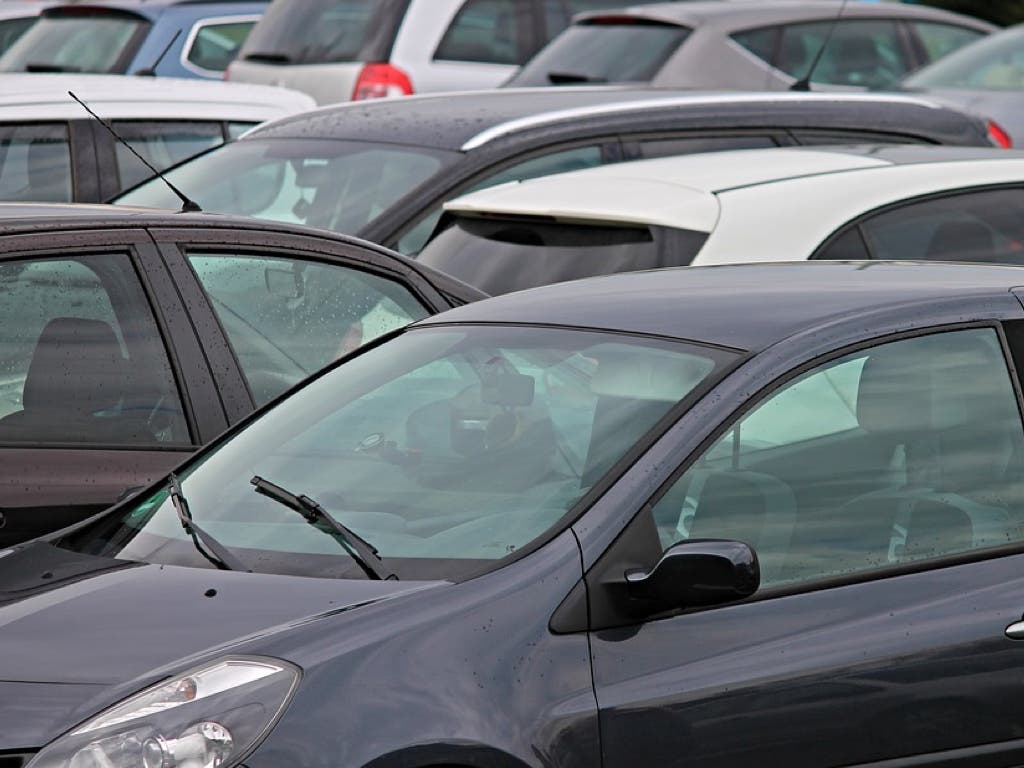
695 573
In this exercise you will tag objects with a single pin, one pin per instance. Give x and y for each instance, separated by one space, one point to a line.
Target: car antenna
150 71
187 205
804 83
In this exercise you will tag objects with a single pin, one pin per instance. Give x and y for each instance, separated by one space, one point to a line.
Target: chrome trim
194 33
1015 631
534 121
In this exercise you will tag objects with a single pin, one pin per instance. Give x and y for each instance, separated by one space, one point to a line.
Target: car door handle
1015 631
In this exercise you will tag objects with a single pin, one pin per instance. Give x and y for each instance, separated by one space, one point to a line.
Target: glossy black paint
908 666
212 387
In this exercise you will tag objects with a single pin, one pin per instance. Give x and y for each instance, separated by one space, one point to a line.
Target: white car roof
45 97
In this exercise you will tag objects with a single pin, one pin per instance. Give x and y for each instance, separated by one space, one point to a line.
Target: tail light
1000 137
378 81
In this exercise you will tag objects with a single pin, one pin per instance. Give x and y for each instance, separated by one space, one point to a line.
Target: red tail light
377 81
1000 137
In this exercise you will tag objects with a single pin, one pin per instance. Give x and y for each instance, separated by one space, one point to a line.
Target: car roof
700 303
148 8
45 96
469 120
741 15
679 191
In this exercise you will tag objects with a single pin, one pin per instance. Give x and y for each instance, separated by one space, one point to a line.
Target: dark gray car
382 169
745 515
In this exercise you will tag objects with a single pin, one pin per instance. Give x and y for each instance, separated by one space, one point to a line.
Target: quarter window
908 451
35 163
216 45
81 359
287 318
488 31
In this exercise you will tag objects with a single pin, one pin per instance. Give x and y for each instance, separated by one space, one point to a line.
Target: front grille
14 761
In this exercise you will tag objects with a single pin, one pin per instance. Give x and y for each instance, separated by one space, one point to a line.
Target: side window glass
484 31
849 246
35 163
237 129
812 137
12 29
907 451
556 162
974 226
687 145
761 42
286 318
866 53
939 40
81 358
163 144
214 46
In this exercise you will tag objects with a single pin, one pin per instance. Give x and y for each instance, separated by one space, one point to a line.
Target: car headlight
209 717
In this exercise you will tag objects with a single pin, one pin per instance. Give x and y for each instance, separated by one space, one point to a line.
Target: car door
883 491
102 384
275 308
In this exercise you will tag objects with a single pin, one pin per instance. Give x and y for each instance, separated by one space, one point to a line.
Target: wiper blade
364 553
210 548
42 66
565 78
269 57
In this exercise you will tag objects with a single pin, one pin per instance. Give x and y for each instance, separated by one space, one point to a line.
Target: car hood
72 625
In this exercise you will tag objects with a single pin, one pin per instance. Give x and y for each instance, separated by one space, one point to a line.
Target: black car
382 169
742 515
130 338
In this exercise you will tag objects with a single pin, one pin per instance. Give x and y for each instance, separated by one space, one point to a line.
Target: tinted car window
286 317
337 185
81 358
215 45
896 454
319 31
163 144
12 29
487 31
503 255
974 226
35 163
685 145
994 63
71 40
603 53
939 40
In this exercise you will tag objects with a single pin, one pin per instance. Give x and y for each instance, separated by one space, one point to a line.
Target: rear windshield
994 63
77 40
12 29
327 183
509 254
322 31
603 52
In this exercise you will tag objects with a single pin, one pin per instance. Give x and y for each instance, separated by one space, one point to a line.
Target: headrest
645 373
76 366
894 391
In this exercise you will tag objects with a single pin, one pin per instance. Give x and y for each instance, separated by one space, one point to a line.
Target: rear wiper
564 78
210 548
364 553
269 57
40 66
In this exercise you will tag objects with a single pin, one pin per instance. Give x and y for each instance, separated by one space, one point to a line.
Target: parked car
341 50
856 202
169 38
129 338
986 77
51 150
744 514
381 170
15 17
768 45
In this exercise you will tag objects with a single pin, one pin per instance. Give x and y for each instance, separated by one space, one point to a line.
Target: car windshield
603 52
503 254
993 63
327 183
77 40
447 448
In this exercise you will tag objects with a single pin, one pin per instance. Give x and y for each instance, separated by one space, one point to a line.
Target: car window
163 143
939 39
236 129
35 163
814 137
555 162
866 52
94 40
686 145
490 31
975 226
215 45
287 318
995 63
81 358
12 29
907 451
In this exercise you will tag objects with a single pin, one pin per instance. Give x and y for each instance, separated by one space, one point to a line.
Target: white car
341 50
51 150
857 202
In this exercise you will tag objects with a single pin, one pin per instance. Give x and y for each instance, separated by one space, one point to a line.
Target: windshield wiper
269 57
210 548
42 66
364 553
565 78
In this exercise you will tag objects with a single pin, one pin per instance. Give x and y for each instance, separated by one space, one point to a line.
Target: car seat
960 241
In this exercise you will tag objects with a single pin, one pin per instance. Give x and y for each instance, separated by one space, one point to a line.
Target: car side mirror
695 573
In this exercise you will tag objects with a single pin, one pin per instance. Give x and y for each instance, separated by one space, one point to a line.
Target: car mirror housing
694 573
